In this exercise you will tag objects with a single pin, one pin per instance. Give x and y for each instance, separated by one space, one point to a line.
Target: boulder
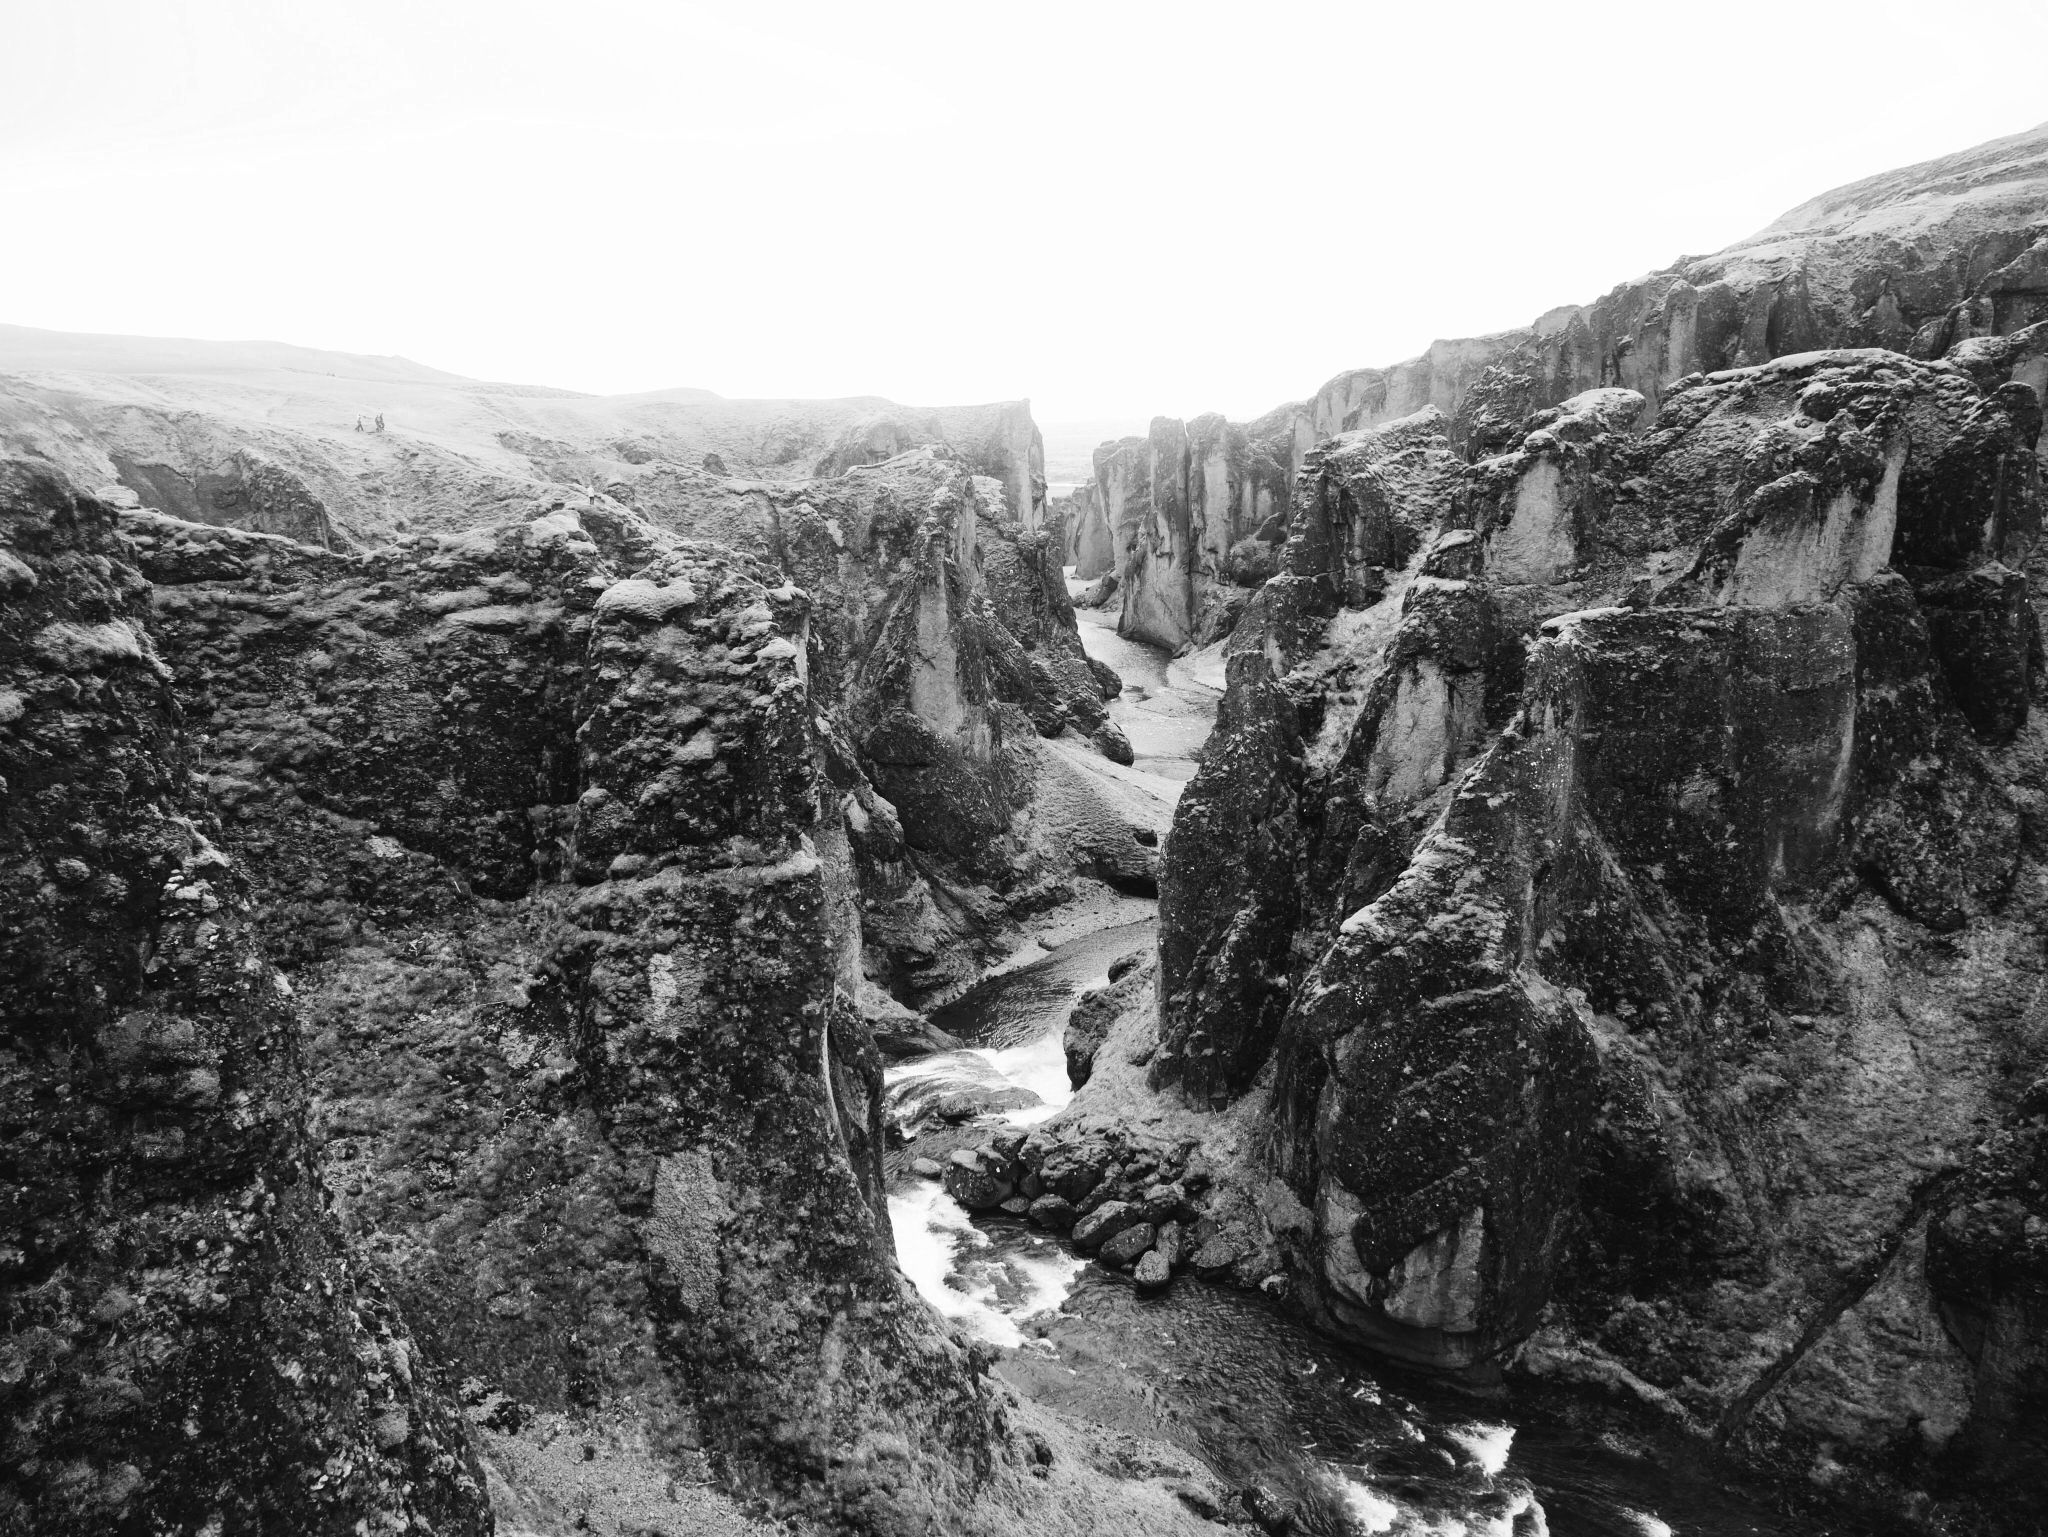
1128 1243
1153 1272
1215 1257
1115 746
1095 1012
901 1033
1161 1203
1172 1238
1072 1171
1055 1212
975 1180
1104 1223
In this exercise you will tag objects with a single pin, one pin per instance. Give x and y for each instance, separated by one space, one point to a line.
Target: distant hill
265 434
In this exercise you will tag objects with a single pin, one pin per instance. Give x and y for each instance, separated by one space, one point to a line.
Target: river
1266 1401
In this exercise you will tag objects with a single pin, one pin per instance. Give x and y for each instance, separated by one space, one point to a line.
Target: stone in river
1215 1257
1153 1271
1129 1244
973 1182
1172 1242
1055 1212
1104 1223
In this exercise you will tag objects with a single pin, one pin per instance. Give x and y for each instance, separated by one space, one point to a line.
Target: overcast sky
1115 209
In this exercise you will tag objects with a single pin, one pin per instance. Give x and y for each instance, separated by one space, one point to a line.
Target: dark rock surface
1125 1247
1638 896
582 710
1096 1010
565 833
189 1342
1920 260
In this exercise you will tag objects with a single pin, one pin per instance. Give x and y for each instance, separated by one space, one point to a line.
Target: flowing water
1167 706
1264 1400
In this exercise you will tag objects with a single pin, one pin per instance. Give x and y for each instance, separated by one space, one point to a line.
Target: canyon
663 964
1916 261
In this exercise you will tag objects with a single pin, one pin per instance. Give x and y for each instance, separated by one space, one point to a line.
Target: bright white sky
1115 209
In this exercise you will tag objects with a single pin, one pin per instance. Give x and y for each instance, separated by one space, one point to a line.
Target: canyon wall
1194 514
1091 547
589 853
1634 899
190 1343
1916 261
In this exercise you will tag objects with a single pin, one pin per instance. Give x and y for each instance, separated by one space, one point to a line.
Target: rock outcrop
999 441
1639 897
189 1343
1915 260
948 648
1091 544
1195 513
1918 260
587 850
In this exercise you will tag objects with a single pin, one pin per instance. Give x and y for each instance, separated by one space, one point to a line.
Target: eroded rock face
1091 542
1000 441
189 1345
620 727
1943 255
1641 901
1915 260
944 640
566 830
1193 512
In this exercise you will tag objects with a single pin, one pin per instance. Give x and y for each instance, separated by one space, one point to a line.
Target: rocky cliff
1635 900
1915 260
190 1344
1190 519
1091 548
588 851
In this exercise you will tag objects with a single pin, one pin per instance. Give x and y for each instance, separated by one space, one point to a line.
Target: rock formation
1091 547
588 849
1194 514
190 1345
1638 898
1916 260
459 885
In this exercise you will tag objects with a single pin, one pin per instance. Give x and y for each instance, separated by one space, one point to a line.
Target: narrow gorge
1463 957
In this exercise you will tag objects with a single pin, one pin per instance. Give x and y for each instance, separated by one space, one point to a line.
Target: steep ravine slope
189 1344
1604 937
1915 260
566 832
